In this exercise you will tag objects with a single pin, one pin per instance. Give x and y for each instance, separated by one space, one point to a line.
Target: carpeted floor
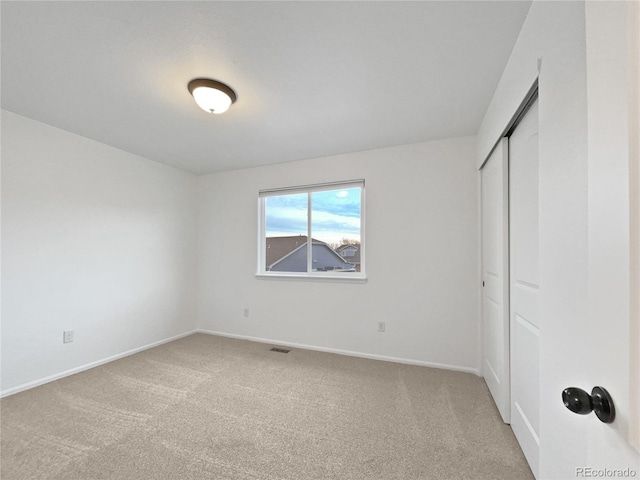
206 407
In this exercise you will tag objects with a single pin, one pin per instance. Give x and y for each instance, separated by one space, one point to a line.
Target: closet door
495 277
524 286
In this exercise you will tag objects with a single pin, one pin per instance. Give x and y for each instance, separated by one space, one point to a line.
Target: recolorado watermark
589 472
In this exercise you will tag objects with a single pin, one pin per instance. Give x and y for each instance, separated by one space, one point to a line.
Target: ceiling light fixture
211 96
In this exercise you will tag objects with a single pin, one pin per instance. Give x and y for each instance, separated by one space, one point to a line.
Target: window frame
262 272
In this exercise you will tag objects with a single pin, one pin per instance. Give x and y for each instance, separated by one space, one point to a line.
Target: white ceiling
312 78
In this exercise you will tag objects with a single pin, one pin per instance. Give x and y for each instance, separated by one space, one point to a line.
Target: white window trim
310 275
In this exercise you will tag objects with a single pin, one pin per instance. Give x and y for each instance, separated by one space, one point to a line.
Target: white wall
420 199
553 43
94 240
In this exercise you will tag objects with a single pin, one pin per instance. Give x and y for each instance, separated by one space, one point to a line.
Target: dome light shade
212 96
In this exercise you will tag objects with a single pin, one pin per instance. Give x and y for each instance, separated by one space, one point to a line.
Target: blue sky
335 215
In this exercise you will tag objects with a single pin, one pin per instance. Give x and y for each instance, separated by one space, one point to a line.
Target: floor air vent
280 350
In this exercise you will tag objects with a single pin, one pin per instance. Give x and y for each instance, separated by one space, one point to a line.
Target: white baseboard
66 373
349 353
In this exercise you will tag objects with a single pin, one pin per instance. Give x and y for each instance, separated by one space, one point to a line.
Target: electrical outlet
245 313
67 336
381 326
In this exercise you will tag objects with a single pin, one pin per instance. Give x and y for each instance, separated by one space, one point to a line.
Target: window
302 229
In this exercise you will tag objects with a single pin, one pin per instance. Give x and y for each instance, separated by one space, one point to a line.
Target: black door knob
580 402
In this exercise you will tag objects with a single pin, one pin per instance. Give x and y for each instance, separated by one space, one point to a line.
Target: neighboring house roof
355 258
278 248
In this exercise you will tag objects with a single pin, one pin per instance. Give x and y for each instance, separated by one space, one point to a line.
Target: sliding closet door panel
495 270
524 286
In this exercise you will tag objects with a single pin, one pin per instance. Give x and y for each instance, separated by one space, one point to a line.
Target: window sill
311 277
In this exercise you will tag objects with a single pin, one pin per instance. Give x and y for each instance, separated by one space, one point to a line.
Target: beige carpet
206 407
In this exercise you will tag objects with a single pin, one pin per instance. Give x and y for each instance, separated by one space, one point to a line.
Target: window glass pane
286 233
335 224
